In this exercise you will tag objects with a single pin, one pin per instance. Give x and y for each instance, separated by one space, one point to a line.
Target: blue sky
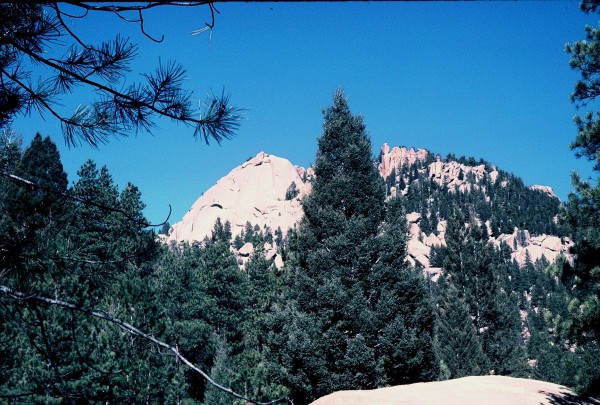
484 79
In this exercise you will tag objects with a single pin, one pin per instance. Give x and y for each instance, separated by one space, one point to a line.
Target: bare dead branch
162 38
20 296
59 15
82 200
114 8
208 26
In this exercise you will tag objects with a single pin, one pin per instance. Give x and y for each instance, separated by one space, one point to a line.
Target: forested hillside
95 309
432 186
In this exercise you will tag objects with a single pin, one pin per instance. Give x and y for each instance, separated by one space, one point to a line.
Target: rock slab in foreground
468 390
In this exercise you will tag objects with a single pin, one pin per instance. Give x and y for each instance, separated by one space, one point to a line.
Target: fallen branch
18 295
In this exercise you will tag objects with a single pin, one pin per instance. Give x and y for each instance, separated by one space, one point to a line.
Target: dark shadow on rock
568 398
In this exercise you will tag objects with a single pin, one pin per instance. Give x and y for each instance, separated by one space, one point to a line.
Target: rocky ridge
257 192
522 243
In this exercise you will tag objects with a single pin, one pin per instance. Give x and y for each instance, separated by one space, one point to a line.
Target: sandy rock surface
468 390
254 191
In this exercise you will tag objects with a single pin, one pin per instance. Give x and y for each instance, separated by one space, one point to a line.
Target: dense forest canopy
333 318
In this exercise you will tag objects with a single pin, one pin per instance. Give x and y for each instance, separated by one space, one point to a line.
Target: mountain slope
258 192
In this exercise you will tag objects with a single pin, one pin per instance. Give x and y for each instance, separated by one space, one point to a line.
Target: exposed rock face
468 390
254 191
548 246
454 175
398 157
521 242
546 189
246 250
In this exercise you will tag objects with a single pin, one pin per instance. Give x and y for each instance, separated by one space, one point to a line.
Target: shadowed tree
582 210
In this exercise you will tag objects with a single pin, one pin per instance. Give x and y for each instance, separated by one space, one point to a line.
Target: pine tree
187 305
31 216
457 342
481 274
349 319
251 372
581 210
31 224
64 356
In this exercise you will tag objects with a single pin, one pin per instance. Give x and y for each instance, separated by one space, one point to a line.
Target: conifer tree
457 342
581 210
31 217
63 356
353 316
481 275
187 304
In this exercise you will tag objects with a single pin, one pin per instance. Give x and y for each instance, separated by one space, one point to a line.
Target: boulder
479 390
246 250
413 217
419 251
432 240
552 243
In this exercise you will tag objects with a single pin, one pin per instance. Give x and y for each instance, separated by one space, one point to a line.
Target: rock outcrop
468 390
456 175
545 189
257 192
524 244
254 191
397 157
521 242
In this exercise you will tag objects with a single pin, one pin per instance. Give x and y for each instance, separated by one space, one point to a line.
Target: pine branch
21 296
219 122
117 112
82 200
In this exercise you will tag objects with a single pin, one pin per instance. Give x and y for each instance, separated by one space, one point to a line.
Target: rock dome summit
253 192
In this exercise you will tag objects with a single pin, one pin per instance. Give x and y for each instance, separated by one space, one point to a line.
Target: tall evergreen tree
353 314
457 342
31 217
63 356
581 210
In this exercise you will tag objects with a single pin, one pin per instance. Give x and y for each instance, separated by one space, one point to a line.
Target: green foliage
30 217
75 252
581 211
292 191
346 312
478 275
506 202
164 229
352 314
221 232
35 34
457 343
